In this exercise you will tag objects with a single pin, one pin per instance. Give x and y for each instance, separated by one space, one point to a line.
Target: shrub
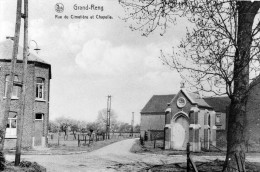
2 161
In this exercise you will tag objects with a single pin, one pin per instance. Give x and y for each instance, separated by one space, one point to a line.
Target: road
114 157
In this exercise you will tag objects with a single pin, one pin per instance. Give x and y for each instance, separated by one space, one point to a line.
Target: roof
218 103
157 104
6 49
195 98
198 100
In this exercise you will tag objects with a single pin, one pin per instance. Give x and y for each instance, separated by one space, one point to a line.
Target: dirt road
115 157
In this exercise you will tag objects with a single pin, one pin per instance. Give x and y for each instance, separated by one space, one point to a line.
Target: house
36 116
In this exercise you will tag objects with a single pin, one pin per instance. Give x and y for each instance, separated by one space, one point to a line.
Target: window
11 126
15 88
38 116
218 119
209 120
39 88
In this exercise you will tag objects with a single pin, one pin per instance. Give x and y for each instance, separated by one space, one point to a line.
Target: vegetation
2 161
63 124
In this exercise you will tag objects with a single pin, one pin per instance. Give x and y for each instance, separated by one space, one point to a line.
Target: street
115 157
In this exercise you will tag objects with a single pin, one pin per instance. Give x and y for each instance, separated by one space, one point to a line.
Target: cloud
100 57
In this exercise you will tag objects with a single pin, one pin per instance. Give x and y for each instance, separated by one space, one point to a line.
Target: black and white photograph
130 85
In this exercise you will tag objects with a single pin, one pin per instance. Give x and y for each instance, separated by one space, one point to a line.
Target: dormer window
40 88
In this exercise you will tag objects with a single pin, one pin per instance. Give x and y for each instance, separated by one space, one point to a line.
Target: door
38 129
181 133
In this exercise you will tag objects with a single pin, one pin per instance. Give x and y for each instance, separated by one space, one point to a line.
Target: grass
148 147
212 166
72 145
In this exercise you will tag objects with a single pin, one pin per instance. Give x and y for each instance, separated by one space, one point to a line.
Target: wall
151 122
253 118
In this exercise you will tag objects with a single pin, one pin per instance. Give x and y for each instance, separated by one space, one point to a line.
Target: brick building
253 116
180 118
153 116
37 97
186 117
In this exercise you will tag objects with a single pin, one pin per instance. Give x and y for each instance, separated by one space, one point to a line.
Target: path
114 157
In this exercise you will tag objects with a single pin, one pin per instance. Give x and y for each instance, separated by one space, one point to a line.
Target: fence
78 139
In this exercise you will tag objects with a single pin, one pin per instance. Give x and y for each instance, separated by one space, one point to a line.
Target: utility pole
11 82
108 115
132 123
20 117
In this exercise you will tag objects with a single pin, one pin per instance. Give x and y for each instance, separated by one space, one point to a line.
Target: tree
53 126
102 119
137 128
92 126
64 124
74 127
217 55
124 127
82 126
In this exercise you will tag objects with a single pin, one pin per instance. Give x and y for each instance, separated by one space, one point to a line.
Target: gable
175 108
193 98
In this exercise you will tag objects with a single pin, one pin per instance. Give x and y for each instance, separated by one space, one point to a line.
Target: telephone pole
11 82
20 117
108 116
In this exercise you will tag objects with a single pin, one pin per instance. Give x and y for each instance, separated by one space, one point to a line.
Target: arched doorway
180 131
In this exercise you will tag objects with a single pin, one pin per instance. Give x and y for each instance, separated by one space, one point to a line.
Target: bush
136 148
141 141
2 161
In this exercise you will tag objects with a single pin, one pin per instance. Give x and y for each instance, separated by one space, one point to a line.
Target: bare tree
64 124
102 119
53 127
220 50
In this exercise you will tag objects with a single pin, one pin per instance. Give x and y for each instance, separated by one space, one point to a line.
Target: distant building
37 97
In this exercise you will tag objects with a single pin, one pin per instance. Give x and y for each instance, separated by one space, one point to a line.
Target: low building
37 97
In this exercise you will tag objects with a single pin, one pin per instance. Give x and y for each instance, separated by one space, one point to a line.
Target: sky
94 58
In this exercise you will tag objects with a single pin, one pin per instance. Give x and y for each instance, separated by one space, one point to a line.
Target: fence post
58 139
78 141
188 156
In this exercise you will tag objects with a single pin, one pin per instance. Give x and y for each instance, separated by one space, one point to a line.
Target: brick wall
31 105
253 118
152 122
